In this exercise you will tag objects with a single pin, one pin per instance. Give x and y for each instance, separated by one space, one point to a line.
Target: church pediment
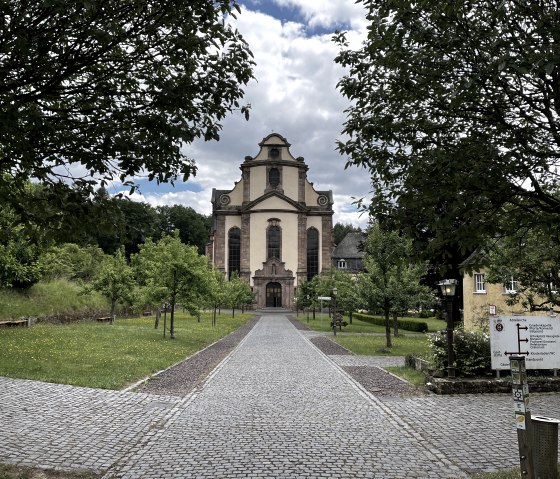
274 201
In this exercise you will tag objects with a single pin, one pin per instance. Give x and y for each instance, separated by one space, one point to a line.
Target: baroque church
272 229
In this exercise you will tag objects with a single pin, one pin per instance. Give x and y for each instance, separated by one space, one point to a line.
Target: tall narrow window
312 253
273 241
273 177
479 283
234 251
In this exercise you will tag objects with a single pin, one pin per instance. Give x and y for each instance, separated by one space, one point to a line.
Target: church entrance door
273 295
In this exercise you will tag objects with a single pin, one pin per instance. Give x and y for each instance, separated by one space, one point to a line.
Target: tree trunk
158 315
172 318
388 329
113 307
395 323
350 317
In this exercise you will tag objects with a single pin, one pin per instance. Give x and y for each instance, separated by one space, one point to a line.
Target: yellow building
273 228
482 299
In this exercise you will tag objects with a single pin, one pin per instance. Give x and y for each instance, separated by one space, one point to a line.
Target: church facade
272 229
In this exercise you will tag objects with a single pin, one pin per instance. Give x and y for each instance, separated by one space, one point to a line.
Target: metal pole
522 415
450 355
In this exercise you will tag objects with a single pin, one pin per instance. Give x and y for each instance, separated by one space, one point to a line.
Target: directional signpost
537 338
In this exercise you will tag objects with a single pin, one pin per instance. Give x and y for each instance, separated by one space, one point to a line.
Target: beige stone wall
288 224
310 195
290 182
476 305
236 194
258 182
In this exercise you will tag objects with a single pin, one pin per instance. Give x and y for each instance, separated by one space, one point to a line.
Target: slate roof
350 246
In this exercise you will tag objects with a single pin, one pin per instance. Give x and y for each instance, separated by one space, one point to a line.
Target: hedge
405 324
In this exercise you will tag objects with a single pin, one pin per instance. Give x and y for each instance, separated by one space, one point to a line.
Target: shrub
472 351
403 323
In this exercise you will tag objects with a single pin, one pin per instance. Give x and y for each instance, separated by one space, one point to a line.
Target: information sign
537 338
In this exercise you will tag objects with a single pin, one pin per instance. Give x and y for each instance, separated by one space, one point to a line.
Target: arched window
273 177
312 253
273 242
234 251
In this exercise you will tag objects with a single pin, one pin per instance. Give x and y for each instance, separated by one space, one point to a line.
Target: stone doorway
273 295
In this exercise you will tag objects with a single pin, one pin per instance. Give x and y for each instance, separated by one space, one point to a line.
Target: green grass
416 378
44 299
375 345
21 472
322 323
104 355
514 473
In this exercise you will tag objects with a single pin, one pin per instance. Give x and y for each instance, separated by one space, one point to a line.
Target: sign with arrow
536 338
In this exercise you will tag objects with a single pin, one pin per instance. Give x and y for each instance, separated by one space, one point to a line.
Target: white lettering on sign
537 338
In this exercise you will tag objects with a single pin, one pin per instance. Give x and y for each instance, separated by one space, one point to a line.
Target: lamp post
448 287
307 304
334 291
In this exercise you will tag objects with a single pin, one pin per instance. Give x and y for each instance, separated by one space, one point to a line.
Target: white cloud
294 95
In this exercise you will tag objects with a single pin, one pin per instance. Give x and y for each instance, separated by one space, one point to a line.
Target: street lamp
307 304
448 287
334 291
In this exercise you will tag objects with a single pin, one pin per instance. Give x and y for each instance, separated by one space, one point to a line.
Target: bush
472 351
403 323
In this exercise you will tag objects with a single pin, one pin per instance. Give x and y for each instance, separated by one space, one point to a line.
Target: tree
456 115
348 298
174 273
72 262
391 281
96 91
528 264
20 252
115 280
193 227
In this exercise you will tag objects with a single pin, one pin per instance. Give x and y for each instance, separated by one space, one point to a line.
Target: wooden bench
14 323
104 319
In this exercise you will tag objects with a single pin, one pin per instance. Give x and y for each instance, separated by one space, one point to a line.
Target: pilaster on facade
246 177
302 177
220 243
302 248
245 273
326 248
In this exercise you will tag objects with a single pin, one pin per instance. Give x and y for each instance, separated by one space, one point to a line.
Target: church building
272 228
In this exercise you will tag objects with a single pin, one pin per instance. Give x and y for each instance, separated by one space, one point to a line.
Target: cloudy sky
294 94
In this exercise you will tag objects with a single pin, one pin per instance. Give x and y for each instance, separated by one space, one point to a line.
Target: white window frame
511 286
479 282
342 264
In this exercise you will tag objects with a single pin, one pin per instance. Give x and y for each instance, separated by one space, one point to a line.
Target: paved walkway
275 408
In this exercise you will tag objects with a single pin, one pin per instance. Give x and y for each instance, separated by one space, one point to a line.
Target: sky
294 94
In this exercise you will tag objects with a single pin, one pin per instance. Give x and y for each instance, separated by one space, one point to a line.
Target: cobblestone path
275 408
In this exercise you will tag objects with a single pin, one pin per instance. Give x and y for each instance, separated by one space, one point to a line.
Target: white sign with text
535 337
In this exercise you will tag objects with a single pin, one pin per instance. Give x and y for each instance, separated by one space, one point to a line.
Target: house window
273 241
479 283
234 251
312 253
342 264
511 286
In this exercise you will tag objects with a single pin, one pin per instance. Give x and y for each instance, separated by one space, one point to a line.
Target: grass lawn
104 355
505 474
375 345
416 378
45 298
21 472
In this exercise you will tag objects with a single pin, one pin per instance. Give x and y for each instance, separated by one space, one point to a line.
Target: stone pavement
275 408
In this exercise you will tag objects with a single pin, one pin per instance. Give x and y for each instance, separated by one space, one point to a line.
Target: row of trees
390 284
110 223
163 273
